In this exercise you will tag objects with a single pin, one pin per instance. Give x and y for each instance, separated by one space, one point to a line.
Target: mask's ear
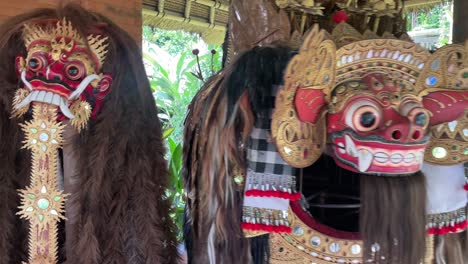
103 87
298 125
20 65
444 83
445 106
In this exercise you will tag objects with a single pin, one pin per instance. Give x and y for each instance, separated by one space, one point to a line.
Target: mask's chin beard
393 218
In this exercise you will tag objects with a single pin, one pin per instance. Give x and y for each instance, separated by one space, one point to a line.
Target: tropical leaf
168 132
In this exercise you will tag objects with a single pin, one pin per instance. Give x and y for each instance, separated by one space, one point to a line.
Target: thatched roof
421 5
206 17
209 18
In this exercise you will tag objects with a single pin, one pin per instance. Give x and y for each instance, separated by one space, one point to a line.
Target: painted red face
375 129
60 69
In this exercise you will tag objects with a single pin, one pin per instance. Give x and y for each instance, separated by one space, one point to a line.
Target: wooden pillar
460 21
125 13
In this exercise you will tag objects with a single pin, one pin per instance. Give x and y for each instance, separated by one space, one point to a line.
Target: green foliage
176 194
174 87
174 42
439 17
174 90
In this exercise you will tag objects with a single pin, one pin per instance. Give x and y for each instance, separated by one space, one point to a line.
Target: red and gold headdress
372 102
75 137
60 72
64 69
379 105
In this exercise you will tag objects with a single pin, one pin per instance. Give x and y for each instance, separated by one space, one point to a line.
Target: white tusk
25 102
65 110
23 78
79 90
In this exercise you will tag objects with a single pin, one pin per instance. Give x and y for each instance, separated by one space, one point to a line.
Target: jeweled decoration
42 204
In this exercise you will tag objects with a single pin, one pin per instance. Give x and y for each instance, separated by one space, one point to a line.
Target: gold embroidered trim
306 245
449 142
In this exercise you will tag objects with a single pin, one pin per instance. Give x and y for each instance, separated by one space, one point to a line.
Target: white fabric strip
445 191
267 202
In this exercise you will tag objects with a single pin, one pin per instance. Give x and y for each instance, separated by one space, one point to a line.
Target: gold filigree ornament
447 70
344 34
42 136
312 68
42 204
307 245
20 95
449 142
97 44
82 112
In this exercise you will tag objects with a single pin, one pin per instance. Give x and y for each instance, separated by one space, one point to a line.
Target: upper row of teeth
49 98
46 97
365 157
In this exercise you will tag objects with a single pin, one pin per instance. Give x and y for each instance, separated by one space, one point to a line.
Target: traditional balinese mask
447 153
60 71
386 93
63 69
372 103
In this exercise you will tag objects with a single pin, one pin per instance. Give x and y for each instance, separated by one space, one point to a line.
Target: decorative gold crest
20 95
300 143
449 142
82 112
58 36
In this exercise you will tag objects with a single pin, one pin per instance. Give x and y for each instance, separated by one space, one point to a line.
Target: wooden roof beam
211 3
417 3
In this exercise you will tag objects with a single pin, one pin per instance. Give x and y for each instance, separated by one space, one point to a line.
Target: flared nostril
396 135
416 134
57 78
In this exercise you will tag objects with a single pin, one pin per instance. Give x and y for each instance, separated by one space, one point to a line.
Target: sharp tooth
48 97
65 110
350 146
25 102
56 99
364 159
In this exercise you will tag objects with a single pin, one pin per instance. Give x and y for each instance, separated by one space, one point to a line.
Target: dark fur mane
117 211
219 121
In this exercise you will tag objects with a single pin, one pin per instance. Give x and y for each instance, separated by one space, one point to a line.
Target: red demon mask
375 112
63 69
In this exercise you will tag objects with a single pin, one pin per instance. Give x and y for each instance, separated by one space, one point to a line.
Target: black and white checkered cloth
261 150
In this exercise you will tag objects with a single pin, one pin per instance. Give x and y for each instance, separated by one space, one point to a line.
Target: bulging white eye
363 116
74 71
36 63
415 112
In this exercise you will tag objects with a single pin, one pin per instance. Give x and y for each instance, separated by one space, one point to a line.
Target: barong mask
376 112
63 69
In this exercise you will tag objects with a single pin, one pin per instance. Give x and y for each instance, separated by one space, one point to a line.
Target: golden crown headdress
97 44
